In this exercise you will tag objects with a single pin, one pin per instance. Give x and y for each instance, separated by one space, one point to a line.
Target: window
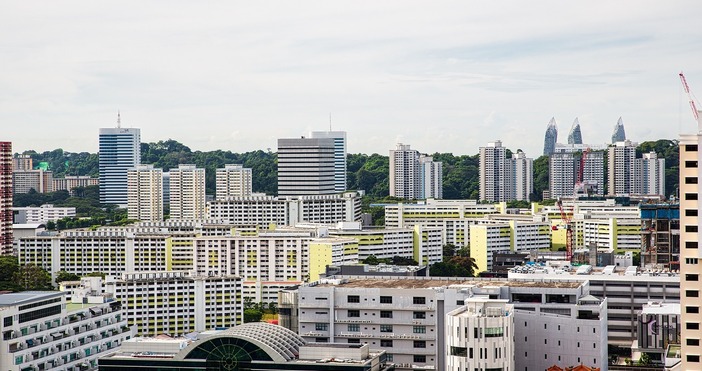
420 344
385 328
386 300
692 326
386 343
691 163
691 212
690 244
693 358
419 300
354 341
321 326
691 148
692 293
694 342
691 228
691 196
353 299
419 329
354 313
692 277
419 358
691 261
459 351
692 309
321 340
354 327
419 315
690 180
385 314
7 321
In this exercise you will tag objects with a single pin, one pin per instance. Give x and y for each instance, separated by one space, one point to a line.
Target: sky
442 76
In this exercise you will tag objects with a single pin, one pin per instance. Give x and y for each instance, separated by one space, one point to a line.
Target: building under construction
660 236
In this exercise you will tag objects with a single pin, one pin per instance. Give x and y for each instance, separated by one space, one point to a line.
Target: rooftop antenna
119 121
330 129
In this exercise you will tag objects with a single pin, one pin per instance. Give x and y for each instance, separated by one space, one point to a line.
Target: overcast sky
442 76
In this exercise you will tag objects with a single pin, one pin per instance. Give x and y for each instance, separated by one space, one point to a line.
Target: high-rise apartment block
233 181
22 162
620 168
5 198
414 176
564 169
145 193
69 182
690 252
306 166
503 179
187 192
340 150
23 181
649 175
119 151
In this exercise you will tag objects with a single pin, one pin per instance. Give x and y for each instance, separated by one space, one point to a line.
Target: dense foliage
14 277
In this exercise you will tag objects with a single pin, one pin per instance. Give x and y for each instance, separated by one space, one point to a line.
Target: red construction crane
690 96
569 230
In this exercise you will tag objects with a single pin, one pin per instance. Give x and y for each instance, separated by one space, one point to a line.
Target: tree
62 276
9 266
645 359
449 250
252 315
371 260
31 277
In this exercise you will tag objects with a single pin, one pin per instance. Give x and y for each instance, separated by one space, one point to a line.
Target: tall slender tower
145 193
649 175
621 168
339 156
551 137
404 172
493 182
187 192
430 178
618 135
119 151
575 136
523 176
690 252
5 198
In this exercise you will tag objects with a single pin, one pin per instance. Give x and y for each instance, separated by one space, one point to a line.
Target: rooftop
19 298
436 282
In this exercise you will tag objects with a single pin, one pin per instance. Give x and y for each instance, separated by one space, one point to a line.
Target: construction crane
690 96
566 223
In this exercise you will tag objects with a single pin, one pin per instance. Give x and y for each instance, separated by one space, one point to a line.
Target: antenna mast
330 121
119 120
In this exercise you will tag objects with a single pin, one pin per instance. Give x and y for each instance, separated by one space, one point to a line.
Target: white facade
178 303
233 181
119 150
69 182
480 335
649 176
145 193
306 166
39 180
40 331
492 172
404 172
340 149
621 168
187 192
430 178
523 176
42 214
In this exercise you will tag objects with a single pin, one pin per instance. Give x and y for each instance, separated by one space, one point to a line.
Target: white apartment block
649 176
178 303
42 214
263 211
69 182
690 267
145 193
41 331
306 166
490 236
404 172
621 168
339 156
480 335
564 169
39 180
233 181
612 234
523 169
492 172
431 183
187 192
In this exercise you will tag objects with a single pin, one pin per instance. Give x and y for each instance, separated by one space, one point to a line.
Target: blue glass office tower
119 151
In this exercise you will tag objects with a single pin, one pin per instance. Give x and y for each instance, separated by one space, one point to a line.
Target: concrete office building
69 182
42 214
119 150
649 175
480 335
5 198
233 181
306 166
690 267
145 193
187 192
39 180
41 331
177 303
340 149
621 168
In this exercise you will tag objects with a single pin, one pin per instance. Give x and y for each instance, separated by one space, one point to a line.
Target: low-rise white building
42 214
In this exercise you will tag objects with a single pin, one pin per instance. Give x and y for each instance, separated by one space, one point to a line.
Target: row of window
417 300
356 313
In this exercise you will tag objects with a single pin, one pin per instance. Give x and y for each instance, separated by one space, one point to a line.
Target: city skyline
237 76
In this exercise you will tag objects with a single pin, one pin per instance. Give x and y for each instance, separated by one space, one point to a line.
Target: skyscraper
621 167
649 175
404 172
492 172
187 192
430 178
340 150
575 136
551 137
119 151
145 193
5 198
618 135
306 166
564 168
233 181
523 176
690 253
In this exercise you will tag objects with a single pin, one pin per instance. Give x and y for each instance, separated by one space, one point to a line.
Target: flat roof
409 283
19 298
